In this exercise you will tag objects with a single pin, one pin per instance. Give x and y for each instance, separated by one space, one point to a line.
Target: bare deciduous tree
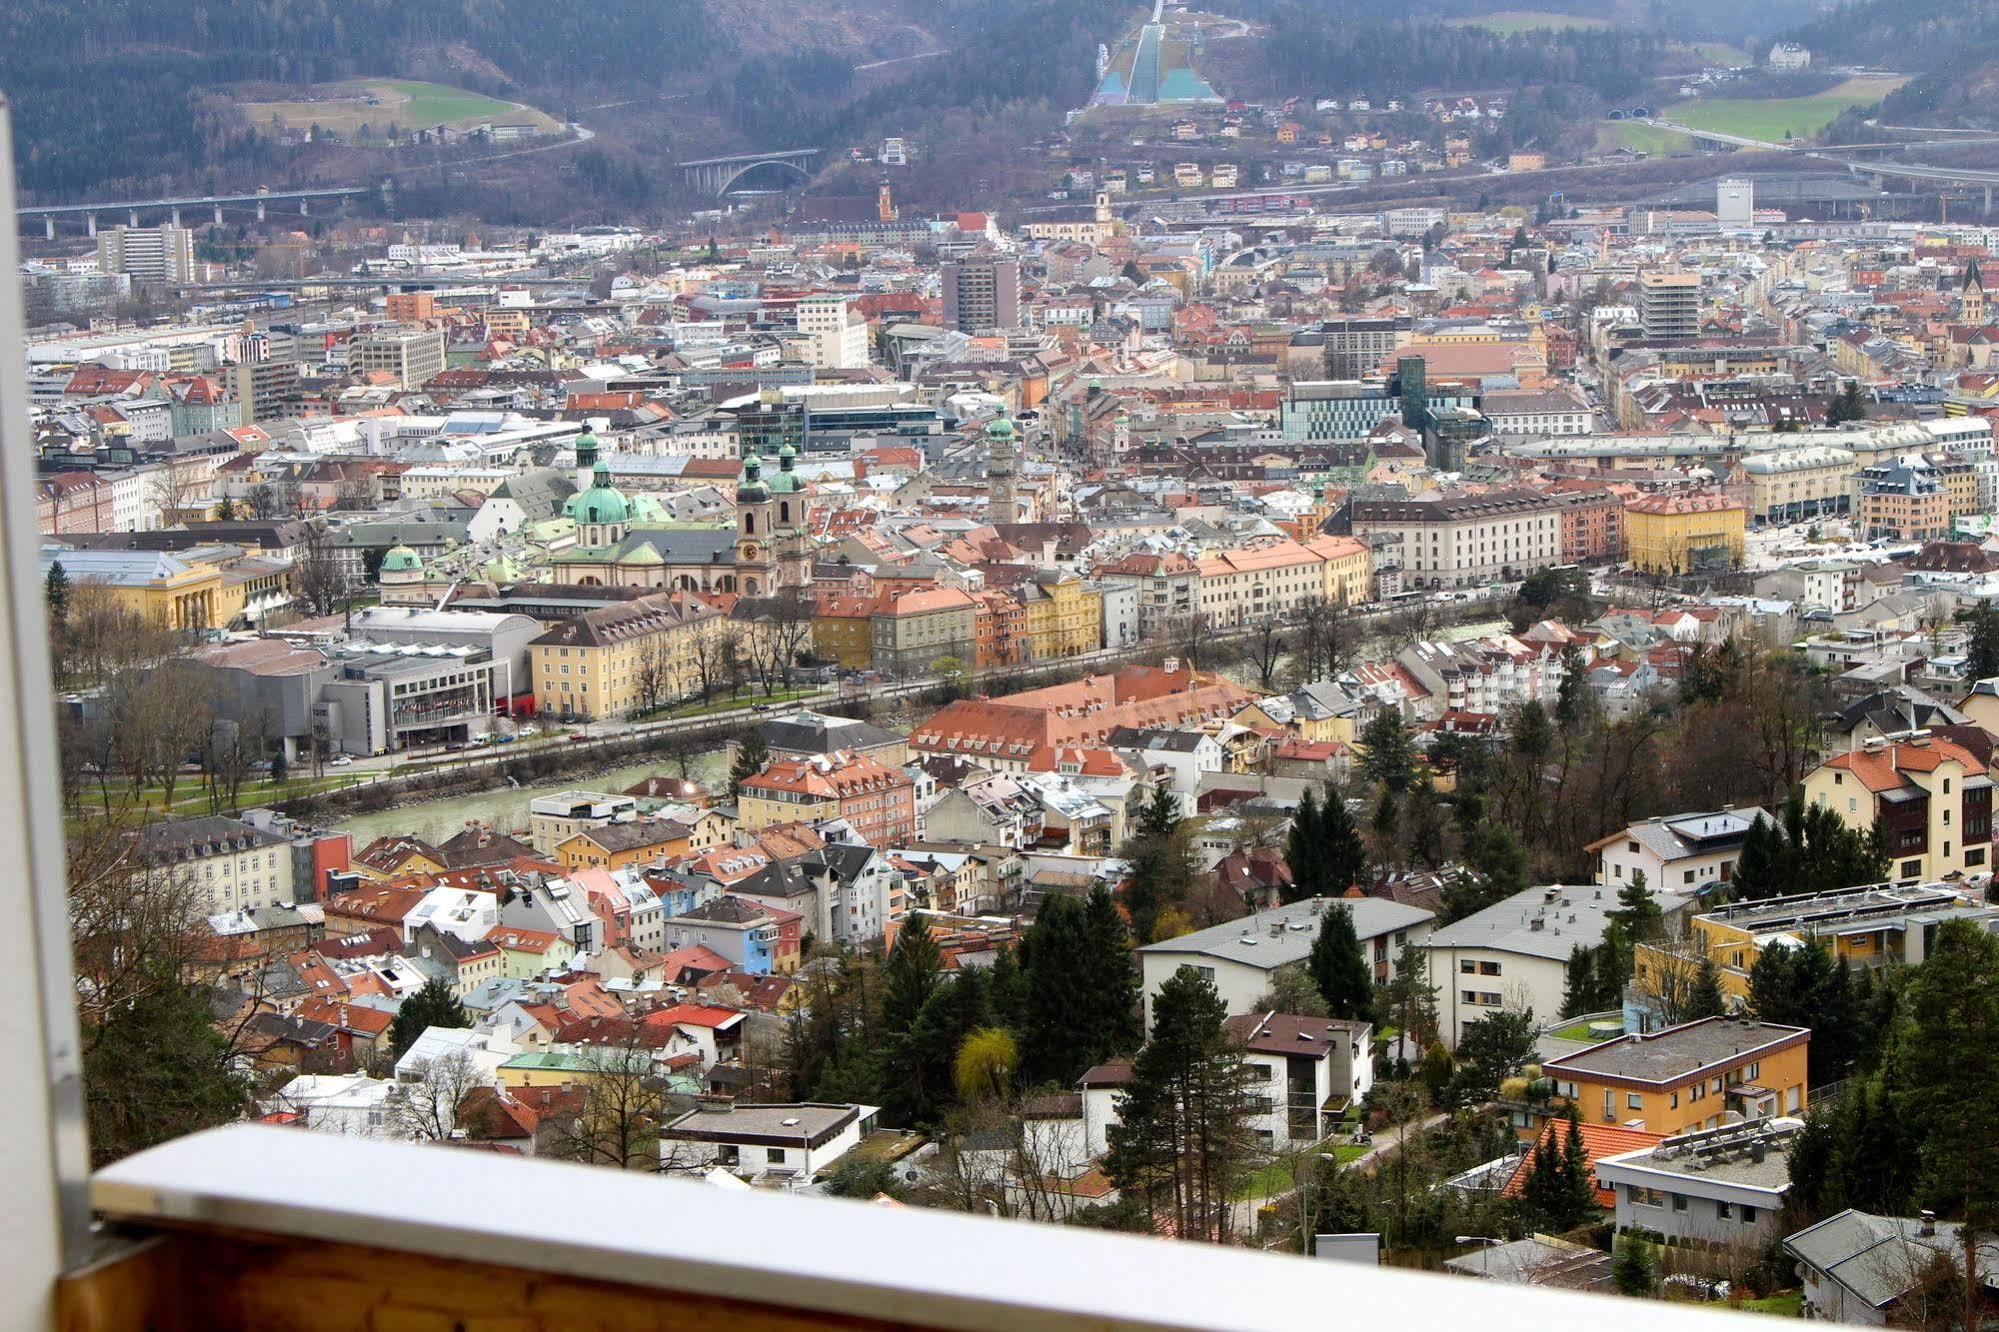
623 1110
322 582
424 1106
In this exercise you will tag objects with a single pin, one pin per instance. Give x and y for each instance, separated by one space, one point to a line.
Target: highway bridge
715 175
1880 170
380 282
173 207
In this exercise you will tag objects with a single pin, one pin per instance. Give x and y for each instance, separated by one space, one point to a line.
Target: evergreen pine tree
910 974
1303 851
1340 847
1181 1146
752 757
1982 657
1637 913
1079 994
1114 1026
1409 999
1579 982
1706 999
55 593
1387 754
1951 1097
1339 969
432 1006
1757 865
1633 1269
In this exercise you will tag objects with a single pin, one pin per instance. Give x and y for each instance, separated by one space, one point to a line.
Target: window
1721 1210
1679 1202
775 1155
1748 1215
1633 1101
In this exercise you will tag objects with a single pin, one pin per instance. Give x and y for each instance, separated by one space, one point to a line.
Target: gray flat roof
1676 1052
1269 939
1566 916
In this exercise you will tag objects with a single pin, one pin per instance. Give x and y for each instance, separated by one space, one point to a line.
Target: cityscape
977 666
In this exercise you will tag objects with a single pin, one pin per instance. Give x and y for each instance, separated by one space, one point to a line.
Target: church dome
401 559
602 503
1000 428
787 481
752 489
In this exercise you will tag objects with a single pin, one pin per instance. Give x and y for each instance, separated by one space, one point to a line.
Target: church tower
756 563
1002 471
1971 299
791 532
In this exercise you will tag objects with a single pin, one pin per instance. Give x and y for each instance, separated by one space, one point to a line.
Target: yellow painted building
618 845
1870 925
162 588
1348 571
556 1067
842 634
620 659
1932 795
1065 616
1679 533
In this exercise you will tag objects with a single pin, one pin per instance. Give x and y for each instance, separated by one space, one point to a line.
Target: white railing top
823 1255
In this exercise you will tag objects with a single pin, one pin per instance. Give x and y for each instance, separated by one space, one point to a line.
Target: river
506 807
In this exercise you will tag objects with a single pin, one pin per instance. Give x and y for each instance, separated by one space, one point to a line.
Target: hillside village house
773 1145
1869 925
1723 1186
1684 852
1239 956
1934 796
1305 1073
1515 954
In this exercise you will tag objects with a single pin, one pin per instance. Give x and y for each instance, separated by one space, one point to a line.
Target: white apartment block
836 337
1464 540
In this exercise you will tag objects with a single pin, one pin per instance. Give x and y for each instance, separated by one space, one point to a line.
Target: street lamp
1480 1239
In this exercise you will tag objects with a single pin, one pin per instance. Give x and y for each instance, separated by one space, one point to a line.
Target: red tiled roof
1599 1141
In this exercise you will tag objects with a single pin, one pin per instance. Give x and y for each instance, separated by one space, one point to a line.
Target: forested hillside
113 94
1953 47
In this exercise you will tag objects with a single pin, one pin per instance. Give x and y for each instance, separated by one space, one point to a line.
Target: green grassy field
1720 53
1773 119
343 108
1509 22
1784 1304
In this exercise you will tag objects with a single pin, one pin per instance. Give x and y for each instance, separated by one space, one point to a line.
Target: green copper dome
787 481
602 503
752 489
401 559
1000 428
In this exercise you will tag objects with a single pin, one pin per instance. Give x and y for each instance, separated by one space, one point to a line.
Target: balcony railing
263 1227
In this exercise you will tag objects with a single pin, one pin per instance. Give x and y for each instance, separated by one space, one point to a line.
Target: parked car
341 761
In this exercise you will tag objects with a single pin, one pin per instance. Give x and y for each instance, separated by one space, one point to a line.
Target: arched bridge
714 175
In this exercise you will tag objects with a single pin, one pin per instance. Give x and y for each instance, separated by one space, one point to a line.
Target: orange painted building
1689 1076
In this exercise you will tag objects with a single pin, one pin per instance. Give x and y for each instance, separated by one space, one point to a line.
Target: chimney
1536 923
